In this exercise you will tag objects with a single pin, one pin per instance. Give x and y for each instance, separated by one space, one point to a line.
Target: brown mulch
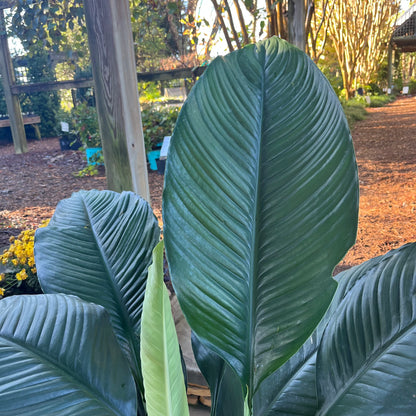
33 183
385 146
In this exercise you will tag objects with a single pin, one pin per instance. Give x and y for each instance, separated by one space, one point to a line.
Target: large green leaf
366 361
161 360
260 204
59 356
227 396
292 388
98 246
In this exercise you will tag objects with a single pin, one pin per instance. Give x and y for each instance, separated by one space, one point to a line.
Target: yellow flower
22 275
33 270
2 276
30 261
15 262
12 238
1 291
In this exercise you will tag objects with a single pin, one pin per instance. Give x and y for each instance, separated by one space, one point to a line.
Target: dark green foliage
158 122
85 125
412 86
380 100
354 111
44 104
373 89
46 22
84 94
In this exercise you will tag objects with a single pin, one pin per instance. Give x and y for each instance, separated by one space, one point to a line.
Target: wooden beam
12 101
5 122
114 70
180 73
52 85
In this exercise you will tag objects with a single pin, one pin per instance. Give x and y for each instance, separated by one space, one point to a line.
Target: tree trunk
242 22
296 23
222 24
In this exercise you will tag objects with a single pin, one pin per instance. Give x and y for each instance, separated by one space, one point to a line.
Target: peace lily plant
260 204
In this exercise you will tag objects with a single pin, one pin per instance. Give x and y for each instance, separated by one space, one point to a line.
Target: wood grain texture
12 101
115 78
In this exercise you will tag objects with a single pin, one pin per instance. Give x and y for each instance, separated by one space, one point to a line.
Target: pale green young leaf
159 349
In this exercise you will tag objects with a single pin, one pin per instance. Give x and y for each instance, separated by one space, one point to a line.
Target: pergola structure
404 36
115 81
9 80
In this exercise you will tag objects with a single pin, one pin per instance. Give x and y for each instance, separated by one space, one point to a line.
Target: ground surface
33 183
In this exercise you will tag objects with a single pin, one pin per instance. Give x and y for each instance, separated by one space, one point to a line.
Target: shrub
412 86
85 125
21 277
46 103
158 122
380 100
354 110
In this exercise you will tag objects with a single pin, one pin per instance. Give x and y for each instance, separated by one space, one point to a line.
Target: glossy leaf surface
260 204
98 246
366 361
59 356
227 397
161 360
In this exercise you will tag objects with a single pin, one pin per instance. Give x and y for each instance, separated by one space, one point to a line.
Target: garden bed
32 184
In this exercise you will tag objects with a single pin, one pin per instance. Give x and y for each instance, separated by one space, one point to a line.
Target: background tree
360 31
161 34
241 22
318 15
46 103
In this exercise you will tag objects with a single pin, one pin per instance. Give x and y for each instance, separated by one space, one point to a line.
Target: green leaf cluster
158 122
260 204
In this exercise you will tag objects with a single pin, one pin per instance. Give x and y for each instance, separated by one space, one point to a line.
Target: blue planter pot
152 157
90 151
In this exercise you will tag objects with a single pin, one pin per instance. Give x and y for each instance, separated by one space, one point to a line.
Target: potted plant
254 224
86 127
158 122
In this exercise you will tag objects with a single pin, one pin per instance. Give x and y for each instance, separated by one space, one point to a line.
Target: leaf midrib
121 306
255 239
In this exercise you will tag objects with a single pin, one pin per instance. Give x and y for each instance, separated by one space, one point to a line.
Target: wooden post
114 71
296 23
12 101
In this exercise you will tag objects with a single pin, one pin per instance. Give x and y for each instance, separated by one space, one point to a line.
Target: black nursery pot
161 163
69 142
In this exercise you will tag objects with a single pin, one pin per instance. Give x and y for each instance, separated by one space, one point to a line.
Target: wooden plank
26 120
52 85
115 78
181 73
12 101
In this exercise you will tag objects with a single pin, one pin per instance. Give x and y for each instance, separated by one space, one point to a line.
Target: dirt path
32 184
385 145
